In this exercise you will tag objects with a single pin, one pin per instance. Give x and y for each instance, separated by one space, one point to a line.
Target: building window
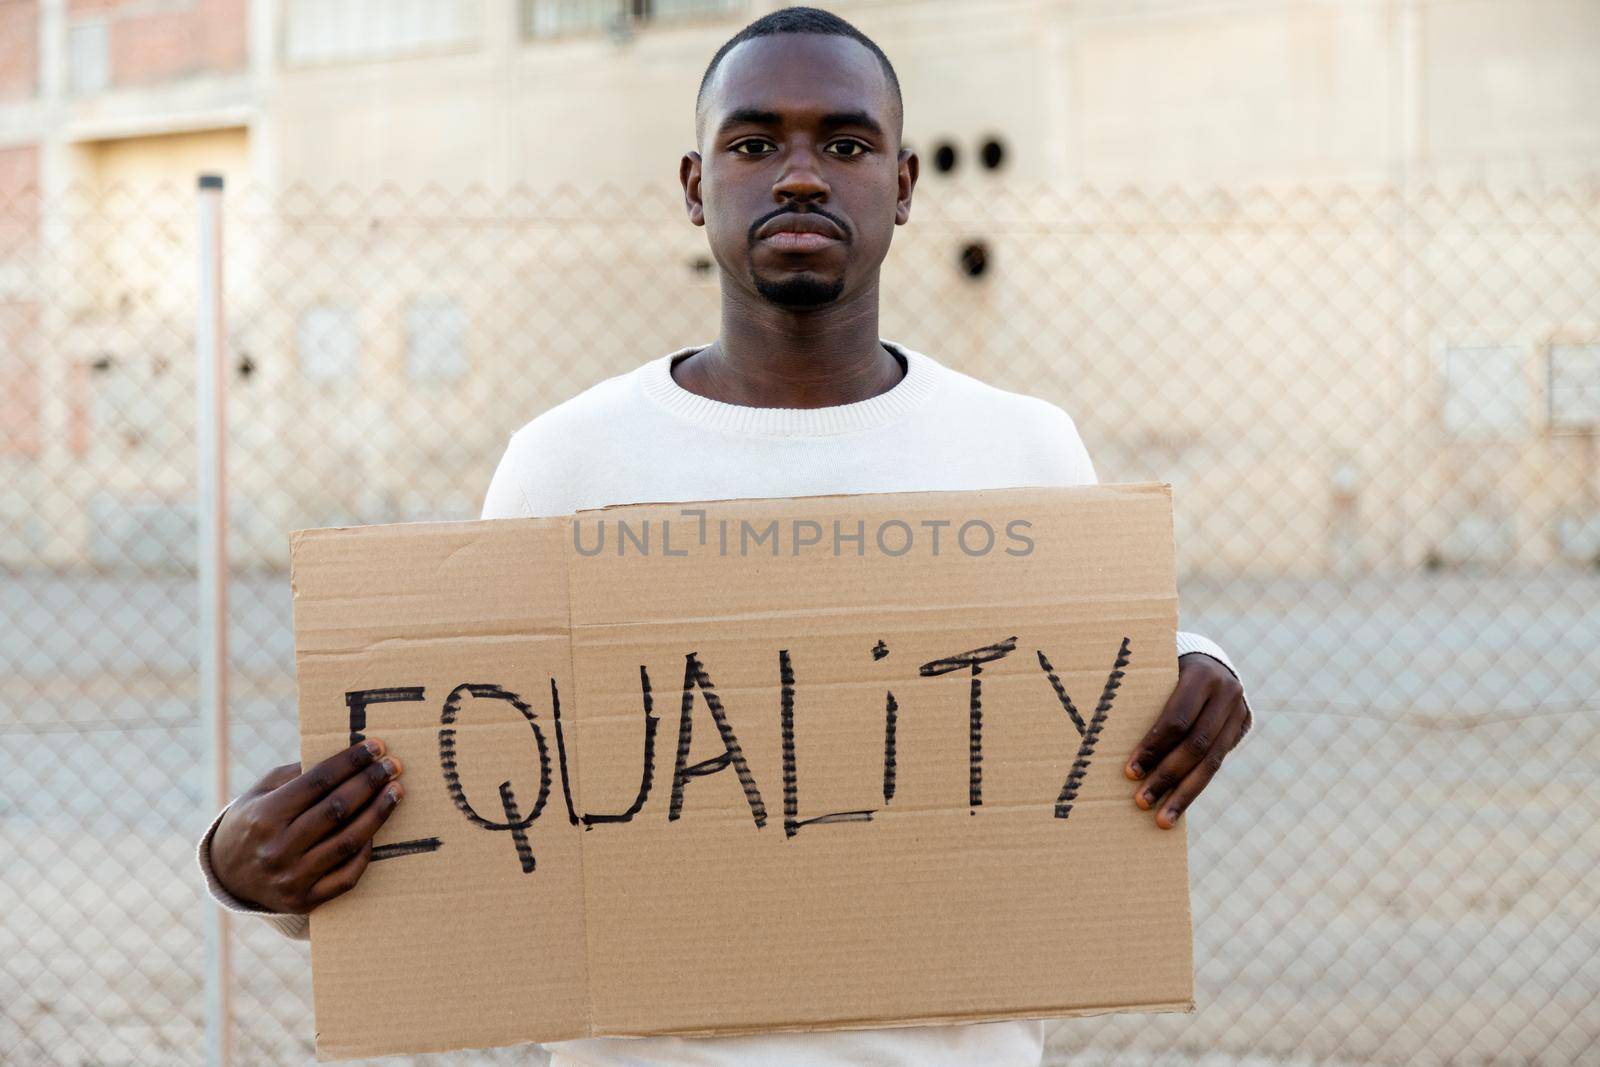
88 57
327 343
557 18
1485 392
666 10
1575 387
436 340
344 31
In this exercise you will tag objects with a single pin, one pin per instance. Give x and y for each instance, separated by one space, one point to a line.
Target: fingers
1200 777
355 835
1187 754
296 839
328 815
278 776
290 801
341 879
1177 718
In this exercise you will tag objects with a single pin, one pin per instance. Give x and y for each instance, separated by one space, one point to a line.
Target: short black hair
802 20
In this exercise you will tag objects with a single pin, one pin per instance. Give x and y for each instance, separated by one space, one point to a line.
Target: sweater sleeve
297 927
1193 644
507 498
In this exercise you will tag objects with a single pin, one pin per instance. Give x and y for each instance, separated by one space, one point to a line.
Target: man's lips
789 241
795 232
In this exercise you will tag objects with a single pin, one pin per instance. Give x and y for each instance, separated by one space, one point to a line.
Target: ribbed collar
921 377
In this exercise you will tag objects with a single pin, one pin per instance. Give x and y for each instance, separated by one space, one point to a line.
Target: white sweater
640 437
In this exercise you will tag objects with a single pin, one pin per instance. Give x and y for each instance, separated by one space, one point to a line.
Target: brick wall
19 377
149 44
19 48
19 314
19 205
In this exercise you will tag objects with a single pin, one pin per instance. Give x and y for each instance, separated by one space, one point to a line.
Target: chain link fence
1379 412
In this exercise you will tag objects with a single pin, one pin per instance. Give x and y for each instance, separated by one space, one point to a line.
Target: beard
801 291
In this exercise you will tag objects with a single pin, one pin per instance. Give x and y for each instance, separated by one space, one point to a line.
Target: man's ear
689 175
907 182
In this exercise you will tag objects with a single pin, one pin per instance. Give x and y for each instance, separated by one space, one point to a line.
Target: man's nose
801 177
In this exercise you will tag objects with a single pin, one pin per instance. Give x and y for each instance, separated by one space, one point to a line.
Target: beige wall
118 270
1185 92
1177 92
1232 94
1510 90
165 159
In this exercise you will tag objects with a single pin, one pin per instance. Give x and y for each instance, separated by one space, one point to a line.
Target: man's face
800 179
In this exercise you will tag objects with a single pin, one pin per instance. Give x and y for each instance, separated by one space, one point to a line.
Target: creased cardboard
784 764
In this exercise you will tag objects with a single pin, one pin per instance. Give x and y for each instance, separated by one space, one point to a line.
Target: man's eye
856 148
742 145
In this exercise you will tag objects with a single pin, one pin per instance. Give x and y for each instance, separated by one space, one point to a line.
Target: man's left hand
1205 717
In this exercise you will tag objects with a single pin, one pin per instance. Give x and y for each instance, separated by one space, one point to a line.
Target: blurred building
545 91
101 99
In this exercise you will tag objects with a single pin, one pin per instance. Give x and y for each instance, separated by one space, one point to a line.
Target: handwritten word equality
511 820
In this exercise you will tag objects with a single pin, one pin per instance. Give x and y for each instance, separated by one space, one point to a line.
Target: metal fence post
211 507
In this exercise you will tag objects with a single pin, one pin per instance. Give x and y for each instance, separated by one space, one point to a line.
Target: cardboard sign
785 764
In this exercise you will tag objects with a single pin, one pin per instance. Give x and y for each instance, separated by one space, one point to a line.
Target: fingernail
1171 816
395 793
1135 772
375 748
390 767
1144 800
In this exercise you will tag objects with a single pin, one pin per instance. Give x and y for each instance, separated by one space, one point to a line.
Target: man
799 180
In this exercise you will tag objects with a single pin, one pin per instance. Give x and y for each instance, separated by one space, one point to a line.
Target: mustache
755 226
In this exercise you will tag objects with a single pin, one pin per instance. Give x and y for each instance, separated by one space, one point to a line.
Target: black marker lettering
791 786
889 710
452 775
406 848
648 777
519 829
561 753
973 660
1061 694
1080 766
357 701
694 674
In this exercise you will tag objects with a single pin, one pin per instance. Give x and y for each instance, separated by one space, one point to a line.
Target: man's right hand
294 841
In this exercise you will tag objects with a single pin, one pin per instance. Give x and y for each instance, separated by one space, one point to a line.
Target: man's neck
768 357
